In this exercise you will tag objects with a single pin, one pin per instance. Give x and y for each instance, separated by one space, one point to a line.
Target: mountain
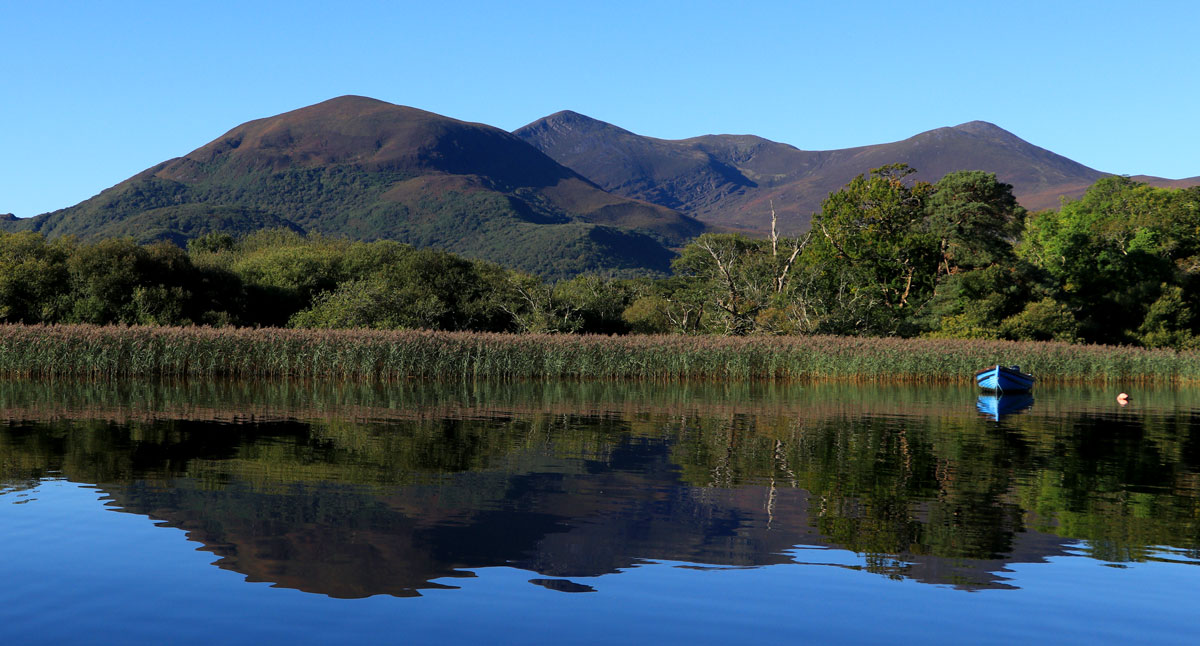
562 195
732 180
1163 182
366 169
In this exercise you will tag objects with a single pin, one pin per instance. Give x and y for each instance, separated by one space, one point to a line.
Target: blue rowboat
1000 406
1004 379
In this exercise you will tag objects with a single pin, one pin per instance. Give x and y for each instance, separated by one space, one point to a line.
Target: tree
675 305
1044 320
976 221
598 303
1169 322
103 277
423 289
531 304
731 284
283 272
1112 253
33 277
874 249
731 272
974 303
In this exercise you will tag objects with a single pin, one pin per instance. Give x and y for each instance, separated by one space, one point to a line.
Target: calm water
595 513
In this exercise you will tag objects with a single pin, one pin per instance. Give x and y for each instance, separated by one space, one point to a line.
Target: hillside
731 180
562 195
366 169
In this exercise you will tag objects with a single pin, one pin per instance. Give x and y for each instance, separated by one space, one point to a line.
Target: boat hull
1001 379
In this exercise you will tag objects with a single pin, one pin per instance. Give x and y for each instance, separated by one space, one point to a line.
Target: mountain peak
348 100
341 108
571 116
8 217
567 121
366 132
983 128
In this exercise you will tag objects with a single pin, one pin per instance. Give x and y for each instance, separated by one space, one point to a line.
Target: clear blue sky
94 92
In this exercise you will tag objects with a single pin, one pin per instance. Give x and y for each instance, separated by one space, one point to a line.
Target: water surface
589 513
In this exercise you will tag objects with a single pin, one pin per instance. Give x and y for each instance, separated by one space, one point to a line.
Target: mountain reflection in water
391 490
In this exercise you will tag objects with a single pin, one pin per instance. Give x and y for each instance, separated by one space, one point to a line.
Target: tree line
885 255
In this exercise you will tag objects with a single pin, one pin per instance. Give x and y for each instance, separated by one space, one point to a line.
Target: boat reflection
999 406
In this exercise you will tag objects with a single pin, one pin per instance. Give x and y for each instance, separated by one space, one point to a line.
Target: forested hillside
887 255
368 170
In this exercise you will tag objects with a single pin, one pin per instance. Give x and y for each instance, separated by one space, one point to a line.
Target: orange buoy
1123 399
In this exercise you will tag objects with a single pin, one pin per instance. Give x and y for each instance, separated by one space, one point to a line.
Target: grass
117 351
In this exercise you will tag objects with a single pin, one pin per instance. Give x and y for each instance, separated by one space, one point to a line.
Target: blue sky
94 92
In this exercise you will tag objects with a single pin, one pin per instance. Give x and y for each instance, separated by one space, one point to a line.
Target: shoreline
113 352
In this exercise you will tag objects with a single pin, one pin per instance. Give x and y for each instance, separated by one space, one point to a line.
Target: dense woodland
885 256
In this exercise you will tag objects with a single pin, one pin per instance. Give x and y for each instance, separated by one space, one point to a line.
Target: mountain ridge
563 194
367 169
737 180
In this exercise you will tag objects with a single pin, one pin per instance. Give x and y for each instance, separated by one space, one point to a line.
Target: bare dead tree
540 313
774 235
801 243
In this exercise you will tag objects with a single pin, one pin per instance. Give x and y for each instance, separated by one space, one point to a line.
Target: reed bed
106 352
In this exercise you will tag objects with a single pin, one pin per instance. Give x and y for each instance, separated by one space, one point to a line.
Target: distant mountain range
562 195
366 169
732 180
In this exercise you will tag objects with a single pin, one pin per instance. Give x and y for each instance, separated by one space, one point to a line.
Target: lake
309 512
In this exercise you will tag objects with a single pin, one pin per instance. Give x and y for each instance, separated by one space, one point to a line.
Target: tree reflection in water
356 491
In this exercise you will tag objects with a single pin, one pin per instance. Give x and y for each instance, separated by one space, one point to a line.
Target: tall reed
113 352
